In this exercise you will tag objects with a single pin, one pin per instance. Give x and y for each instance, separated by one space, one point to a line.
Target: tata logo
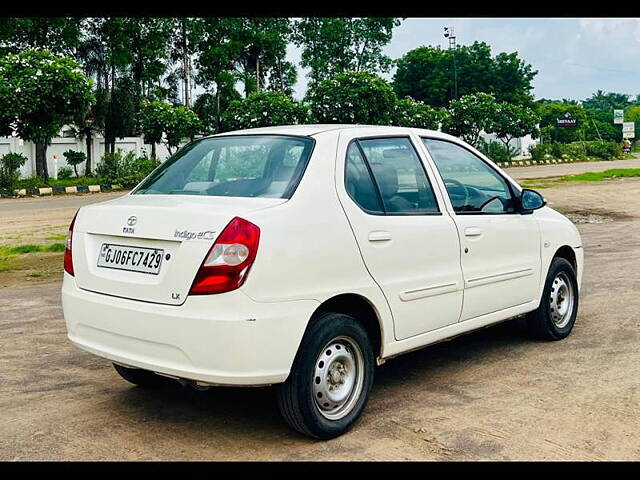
131 221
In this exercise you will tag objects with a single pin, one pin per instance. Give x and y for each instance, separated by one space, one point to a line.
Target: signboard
618 116
566 121
628 130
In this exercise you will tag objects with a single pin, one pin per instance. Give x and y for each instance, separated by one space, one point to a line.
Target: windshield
233 166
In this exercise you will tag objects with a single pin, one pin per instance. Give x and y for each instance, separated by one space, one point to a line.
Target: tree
339 44
426 74
216 53
549 130
470 116
607 101
263 110
121 113
153 117
47 92
513 121
181 124
353 97
74 159
56 34
160 119
264 47
187 35
411 113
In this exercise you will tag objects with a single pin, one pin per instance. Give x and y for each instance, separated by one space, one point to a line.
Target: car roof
314 129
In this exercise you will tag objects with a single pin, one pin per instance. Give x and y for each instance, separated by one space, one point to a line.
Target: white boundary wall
59 145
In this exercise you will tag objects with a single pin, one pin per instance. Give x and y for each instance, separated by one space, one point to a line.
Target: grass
31 248
37 182
17 259
611 174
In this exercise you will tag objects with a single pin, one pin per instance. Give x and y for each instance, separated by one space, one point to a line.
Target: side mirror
531 200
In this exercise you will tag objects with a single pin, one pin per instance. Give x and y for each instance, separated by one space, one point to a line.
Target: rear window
234 166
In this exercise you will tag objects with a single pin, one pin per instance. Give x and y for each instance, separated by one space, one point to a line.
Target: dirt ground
491 395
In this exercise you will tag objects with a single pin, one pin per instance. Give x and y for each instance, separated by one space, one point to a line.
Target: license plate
133 259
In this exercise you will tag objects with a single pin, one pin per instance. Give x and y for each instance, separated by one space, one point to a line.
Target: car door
500 248
409 245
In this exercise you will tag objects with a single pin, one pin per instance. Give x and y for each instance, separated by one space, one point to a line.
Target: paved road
14 205
491 395
558 170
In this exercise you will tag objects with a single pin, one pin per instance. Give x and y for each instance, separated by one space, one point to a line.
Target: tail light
227 263
68 258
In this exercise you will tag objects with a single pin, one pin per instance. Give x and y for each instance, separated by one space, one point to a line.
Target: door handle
472 232
379 236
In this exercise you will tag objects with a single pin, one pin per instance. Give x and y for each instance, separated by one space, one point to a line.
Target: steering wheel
459 190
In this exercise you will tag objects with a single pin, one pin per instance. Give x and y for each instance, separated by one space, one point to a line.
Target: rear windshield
233 166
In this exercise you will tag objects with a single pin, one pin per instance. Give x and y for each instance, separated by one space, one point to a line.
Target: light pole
449 34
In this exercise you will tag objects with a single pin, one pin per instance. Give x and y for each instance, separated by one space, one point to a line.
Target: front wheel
555 316
330 379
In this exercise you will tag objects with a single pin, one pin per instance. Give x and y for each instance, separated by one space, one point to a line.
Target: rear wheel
139 377
330 379
555 316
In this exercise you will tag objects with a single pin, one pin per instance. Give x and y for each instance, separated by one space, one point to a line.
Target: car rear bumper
226 339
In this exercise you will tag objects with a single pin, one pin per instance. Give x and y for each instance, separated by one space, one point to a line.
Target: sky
574 57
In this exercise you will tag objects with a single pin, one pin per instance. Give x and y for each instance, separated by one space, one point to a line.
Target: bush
352 97
65 173
598 149
124 169
263 109
411 113
10 164
604 150
74 159
496 151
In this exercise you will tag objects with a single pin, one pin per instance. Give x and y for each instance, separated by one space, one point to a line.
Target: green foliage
10 164
594 149
353 97
160 118
469 116
263 110
65 173
335 45
550 112
511 121
496 151
56 34
180 125
414 113
124 169
48 91
426 73
74 159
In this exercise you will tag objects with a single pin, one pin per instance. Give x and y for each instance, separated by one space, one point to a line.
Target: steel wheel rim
561 300
338 378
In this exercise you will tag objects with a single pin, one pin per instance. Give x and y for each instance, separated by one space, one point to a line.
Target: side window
359 183
399 175
472 185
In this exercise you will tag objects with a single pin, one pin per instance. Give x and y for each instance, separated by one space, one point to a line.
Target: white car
305 255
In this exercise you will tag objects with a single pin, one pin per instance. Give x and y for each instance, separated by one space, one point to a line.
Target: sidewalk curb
50 191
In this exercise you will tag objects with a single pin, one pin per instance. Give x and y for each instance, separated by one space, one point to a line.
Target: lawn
610 174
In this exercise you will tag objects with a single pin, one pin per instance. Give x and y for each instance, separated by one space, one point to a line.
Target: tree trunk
257 74
219 127
41 160
89 141
153 150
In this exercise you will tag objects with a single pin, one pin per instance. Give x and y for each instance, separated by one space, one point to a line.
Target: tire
137 376
555 316
331 377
